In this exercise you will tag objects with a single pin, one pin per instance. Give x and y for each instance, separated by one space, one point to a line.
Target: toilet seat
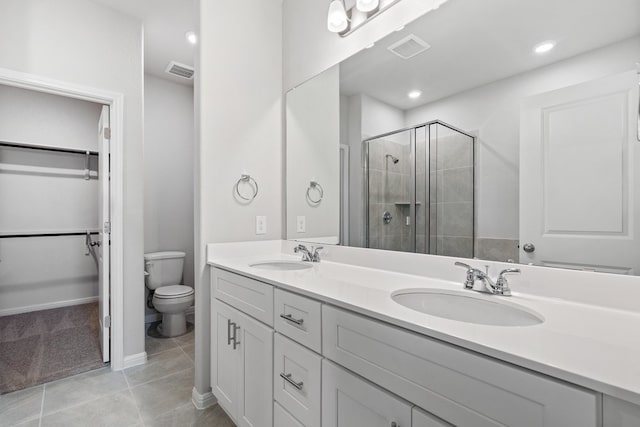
173 291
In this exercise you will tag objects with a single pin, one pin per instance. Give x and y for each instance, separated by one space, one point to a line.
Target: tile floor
155 394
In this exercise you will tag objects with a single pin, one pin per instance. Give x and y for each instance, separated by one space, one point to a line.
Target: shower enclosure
419 190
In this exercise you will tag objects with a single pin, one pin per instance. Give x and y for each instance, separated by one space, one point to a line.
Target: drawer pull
287 378
289 317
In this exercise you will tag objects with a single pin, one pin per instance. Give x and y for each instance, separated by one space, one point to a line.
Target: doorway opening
55 225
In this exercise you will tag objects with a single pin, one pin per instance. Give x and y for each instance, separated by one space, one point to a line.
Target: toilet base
173 324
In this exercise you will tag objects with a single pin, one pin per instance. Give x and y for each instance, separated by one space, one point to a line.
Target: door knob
529 248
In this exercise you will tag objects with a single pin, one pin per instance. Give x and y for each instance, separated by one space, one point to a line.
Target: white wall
493 111
309 48
168 169
239 120
313 141
38 194
82 43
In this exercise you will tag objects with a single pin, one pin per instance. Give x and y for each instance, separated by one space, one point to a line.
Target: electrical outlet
261 225
301 224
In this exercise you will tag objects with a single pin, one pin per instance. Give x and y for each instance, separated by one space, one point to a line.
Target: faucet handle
502 285
471 274
316 253
462 264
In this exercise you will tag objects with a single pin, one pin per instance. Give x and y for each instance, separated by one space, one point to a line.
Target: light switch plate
261 225
301 224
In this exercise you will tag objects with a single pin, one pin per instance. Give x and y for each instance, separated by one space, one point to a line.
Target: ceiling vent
409 47
179 70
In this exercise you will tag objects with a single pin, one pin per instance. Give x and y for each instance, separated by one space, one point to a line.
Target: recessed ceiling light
370 46
191 37
400 28
415 94
544 47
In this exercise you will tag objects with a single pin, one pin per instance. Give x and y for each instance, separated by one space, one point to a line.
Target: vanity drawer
247 295
420 418
300 395
299 318
281 418
459 386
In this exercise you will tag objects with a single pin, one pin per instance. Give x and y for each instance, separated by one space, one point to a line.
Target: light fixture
544 47
337 20
414 94
344 17
191 37
367 5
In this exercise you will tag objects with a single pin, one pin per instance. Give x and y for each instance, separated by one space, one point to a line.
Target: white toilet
170 297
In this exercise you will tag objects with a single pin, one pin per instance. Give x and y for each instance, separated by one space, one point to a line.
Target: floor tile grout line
165 376
44 390
135 403
81 403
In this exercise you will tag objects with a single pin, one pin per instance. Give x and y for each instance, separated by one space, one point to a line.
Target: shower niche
419 190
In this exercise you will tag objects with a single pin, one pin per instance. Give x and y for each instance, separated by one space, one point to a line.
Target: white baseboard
134 360
47 306
202 401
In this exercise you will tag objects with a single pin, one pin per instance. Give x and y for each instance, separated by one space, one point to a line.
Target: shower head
394 159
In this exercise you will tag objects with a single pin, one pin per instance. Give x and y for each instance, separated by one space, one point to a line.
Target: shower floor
47 345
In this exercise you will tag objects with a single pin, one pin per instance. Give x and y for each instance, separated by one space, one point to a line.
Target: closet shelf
13 144
4 235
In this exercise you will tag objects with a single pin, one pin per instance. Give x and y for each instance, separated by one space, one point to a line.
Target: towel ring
248 179
314 185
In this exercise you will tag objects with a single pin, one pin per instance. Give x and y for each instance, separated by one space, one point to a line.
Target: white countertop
592 346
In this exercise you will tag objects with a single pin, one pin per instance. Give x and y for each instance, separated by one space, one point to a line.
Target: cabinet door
224 359
255 353
349 401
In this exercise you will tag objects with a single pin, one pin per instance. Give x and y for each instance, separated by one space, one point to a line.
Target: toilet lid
173 291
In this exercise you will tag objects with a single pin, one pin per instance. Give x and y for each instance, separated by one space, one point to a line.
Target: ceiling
477 42
165 24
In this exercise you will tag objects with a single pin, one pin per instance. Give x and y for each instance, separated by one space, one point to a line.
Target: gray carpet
47 345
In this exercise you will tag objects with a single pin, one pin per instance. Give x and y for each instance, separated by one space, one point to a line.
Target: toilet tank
164 268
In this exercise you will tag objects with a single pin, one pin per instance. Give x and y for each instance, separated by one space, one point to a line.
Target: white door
255 394
579 195
105 231
349 401
224 357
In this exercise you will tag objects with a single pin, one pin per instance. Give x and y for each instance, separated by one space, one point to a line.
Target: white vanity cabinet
241 364
329 367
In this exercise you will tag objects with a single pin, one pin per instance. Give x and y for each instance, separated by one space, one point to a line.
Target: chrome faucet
499 287
312 255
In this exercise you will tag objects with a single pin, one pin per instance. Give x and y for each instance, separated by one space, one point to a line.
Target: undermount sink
281 265
464 306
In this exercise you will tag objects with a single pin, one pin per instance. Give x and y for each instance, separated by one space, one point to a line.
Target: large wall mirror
501 130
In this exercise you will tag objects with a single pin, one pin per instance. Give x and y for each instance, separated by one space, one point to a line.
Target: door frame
115 101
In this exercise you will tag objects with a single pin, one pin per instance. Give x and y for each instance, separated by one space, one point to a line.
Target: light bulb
544 47
337 18
191 37
367 5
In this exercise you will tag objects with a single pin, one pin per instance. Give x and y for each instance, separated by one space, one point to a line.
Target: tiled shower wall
451 196
389 185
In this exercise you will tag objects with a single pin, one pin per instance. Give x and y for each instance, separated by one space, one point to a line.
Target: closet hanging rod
53 234
47 148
